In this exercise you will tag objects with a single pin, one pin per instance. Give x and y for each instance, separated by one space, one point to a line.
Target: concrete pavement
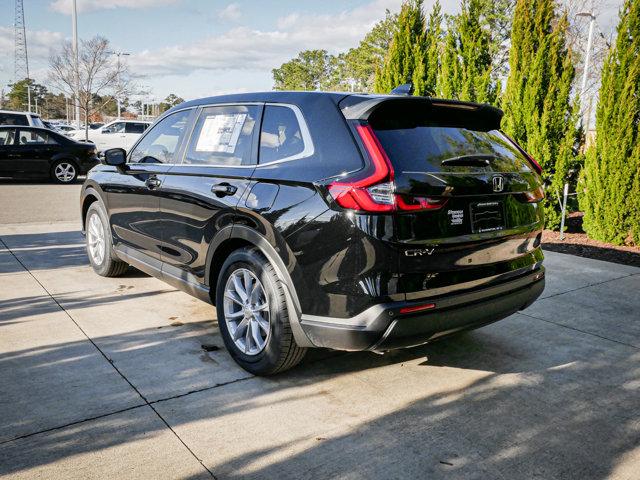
107 378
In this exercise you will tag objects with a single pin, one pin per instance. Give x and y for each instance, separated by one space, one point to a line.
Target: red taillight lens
418 308
536 166
375 192
420 203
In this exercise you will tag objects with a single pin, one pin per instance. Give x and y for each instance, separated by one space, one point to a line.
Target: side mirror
116 157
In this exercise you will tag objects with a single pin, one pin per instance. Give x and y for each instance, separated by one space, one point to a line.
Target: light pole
118 55
74 21
587 56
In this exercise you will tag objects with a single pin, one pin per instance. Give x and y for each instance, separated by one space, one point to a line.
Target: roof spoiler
477 115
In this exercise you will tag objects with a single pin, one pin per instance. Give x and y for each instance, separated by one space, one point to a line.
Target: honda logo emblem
498 183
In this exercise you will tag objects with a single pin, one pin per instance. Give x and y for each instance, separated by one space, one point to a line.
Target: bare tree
97 75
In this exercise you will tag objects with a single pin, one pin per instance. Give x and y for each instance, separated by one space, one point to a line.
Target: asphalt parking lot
108 378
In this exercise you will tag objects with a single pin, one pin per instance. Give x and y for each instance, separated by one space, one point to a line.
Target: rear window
422 141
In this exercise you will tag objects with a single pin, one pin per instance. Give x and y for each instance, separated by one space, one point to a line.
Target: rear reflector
376 192
418 308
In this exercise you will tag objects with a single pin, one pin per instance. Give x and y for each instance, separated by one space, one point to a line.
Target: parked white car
117 134
24 119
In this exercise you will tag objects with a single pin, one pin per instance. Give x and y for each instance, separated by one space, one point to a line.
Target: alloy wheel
96 240
246 311
65 172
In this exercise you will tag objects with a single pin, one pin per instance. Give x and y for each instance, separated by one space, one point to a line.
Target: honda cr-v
352 222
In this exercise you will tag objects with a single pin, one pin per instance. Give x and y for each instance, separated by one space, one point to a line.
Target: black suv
309 219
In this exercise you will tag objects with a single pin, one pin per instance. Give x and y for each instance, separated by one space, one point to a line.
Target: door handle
153 182
223 189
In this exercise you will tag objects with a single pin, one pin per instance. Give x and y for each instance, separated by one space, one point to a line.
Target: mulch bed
577 243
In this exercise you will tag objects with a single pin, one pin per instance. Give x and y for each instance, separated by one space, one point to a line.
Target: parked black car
30 152
353 222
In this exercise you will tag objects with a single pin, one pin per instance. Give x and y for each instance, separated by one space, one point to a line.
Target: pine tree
539 113
611 175
407 49
467 64
425 75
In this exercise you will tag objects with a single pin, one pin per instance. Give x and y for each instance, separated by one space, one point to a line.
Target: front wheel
253 315
64 171
99 244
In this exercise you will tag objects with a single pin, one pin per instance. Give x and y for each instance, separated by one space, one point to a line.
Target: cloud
230 12
242 48
64 6
39 45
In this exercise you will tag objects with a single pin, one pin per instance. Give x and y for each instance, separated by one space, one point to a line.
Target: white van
25 119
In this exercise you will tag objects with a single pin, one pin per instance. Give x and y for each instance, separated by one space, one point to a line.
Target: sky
198 48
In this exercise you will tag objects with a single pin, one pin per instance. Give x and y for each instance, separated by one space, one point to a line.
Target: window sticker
220 133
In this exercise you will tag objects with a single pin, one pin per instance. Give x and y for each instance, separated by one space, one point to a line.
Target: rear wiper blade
473 160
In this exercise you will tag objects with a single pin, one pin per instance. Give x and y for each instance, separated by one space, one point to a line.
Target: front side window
13 119
162 141
223 136
117 127
7 137
282 135
31 137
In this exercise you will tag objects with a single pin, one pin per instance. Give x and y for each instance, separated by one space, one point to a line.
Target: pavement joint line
579 330
108 360
590 285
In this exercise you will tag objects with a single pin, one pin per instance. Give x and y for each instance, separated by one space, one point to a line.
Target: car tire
266 345
100 244
64 171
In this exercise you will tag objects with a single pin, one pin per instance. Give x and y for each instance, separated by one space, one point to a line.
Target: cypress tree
611 176
467 63
539 113
425 75
406 51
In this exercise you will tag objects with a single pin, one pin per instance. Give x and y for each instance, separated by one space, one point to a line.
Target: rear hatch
467 199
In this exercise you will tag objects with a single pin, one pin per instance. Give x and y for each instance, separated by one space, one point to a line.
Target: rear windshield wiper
473 160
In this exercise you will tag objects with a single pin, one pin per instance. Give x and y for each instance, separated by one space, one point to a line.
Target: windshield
36 121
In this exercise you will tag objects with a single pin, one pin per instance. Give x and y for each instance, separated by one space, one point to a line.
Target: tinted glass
13 119
161 143
281 136
422 146
31 137
36 121
223 136
7 137
134 127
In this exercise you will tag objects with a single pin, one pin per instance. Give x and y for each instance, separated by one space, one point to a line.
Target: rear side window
7 137
162 142
223 136
114 128
13 119
283 135
31 137
134 128
422 144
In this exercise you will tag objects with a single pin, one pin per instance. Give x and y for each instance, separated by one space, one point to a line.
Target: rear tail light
533 196
376 192
532 161
536 166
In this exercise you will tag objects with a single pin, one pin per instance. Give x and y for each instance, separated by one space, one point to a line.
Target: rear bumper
383 327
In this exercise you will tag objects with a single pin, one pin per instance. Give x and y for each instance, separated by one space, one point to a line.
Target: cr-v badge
419 252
